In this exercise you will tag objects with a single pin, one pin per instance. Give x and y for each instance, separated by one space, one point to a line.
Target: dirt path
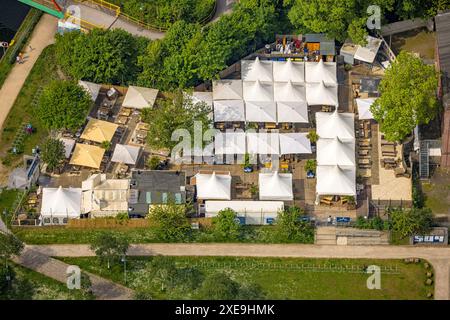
103 289
42 36
438 257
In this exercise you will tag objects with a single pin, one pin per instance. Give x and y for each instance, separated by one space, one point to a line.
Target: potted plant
351 203
254 190
310 168
247 165
313 137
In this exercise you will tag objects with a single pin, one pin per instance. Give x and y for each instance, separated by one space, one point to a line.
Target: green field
23 109
62 235
278 277
30 285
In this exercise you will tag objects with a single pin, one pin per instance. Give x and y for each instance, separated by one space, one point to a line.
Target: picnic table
125 112
122 120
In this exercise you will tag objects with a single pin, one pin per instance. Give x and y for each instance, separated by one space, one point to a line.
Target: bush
225 226
410 222
290 228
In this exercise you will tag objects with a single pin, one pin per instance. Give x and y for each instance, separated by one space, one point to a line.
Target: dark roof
443 41
156 187
370 85
327 45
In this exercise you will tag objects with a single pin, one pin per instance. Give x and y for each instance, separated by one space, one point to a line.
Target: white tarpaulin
335 152
294 143
263 111
229 110
257 91
92 88
275 186
229 143
321 94
263 143
227 89
364 112
289 70
289 92
317 72
369 52
253 70
292 112
140 97
334 180
213 186
61 202
251 212
126 154
68 146
202 97
334 124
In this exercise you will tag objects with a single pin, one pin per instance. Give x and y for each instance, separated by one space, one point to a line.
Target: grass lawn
419 40
30 285
437 192
277 277
64 234
7 198
23 110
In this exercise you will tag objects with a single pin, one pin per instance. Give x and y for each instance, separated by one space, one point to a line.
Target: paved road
438 257
103 289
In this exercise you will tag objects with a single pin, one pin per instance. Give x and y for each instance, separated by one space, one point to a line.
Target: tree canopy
110 247
53 152
171 114
10 245
101 56
407 97
172 223
63 105
409 222
291 228
225 226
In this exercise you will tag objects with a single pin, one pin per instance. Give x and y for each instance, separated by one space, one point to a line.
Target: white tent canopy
263 143
229 143
227 89
321 71
202 97
334 124
68 146
229 110
321 94
140 97
334 180
289 92
292 112
253 70
294 143
364 112
61 202
257 91
275 186
263 111
92 88
289 71
126 154
335 152
213 186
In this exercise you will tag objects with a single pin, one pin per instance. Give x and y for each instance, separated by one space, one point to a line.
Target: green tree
110 247
409 222
408 97
101 56
339 19
53 152
290 227
218 286
63 105
172 223
169 115
10 246
225 226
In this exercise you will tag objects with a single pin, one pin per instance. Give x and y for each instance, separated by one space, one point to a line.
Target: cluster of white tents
275 91
217 186
261 143
364 105
336 164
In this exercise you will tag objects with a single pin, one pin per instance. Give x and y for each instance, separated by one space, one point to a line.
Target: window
178 198
65 220
148 197
164 197
55 221
47 220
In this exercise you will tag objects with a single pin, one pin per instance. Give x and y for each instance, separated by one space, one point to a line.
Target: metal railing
104 4
85 25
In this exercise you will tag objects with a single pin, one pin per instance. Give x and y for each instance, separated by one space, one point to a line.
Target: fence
301 267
